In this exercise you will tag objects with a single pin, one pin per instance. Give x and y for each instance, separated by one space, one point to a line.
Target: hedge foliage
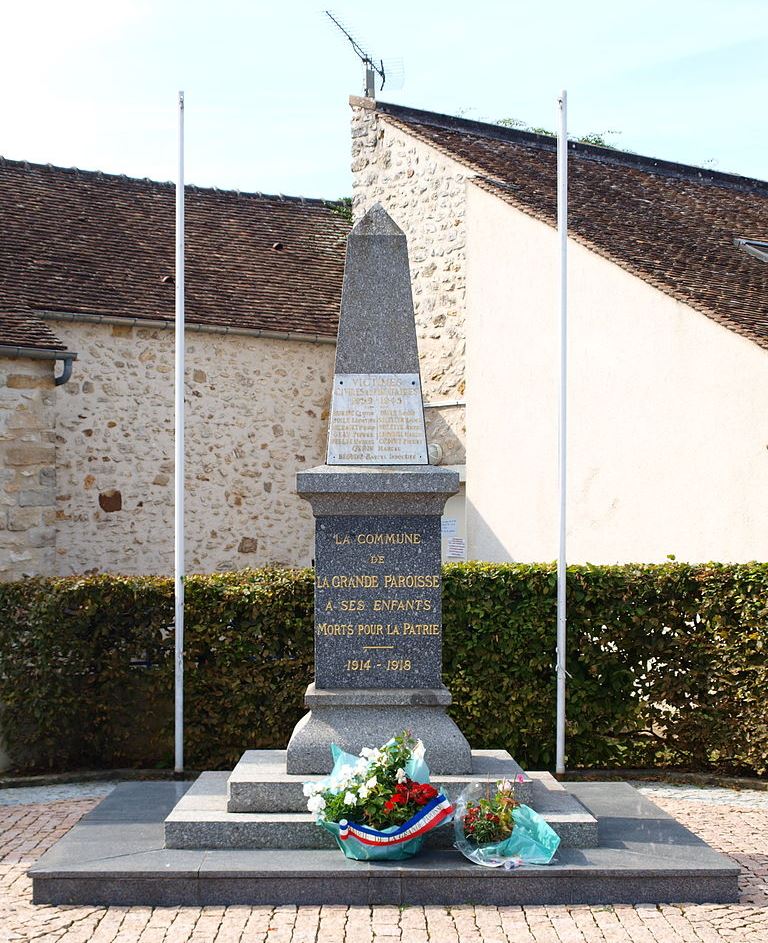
667 662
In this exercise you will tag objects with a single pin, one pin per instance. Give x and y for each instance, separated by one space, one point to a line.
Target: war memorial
245 836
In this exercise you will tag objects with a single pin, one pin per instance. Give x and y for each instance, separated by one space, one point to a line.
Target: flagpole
178 543
562 230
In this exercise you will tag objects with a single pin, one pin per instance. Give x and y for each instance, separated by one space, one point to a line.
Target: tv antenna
373 67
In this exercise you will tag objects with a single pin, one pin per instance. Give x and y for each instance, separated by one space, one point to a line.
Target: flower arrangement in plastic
380 805
493 829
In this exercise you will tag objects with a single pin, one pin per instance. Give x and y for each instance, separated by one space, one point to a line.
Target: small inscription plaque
377 419
378 619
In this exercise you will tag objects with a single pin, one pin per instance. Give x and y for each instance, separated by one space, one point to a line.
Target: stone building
668 334
87 270
668 353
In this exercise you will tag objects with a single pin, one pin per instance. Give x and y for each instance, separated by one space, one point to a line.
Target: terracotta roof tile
670 224
25 330
95 243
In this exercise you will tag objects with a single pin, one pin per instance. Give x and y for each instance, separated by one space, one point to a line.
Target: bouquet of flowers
493 829
380 805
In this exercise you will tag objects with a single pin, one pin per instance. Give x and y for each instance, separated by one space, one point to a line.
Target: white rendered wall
668 410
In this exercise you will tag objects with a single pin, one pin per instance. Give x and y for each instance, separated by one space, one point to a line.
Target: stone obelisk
377 505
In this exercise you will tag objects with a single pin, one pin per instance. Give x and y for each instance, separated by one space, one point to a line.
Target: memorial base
116 855
354 719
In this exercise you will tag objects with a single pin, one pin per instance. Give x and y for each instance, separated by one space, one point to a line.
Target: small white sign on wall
457 549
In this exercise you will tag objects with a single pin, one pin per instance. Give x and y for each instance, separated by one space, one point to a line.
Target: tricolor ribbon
431 815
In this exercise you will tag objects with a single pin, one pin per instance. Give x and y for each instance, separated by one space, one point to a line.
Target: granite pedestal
378 616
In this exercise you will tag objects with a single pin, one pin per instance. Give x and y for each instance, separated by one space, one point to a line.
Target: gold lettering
389 539
328 628
402 605
354 582
417 581
410 628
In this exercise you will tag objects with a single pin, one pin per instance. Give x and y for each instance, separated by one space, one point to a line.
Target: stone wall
425 193
256 411
27 467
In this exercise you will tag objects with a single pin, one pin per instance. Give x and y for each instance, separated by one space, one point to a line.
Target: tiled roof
670 224
25 330
93 243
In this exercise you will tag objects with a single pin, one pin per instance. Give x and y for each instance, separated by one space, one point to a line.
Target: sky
94 83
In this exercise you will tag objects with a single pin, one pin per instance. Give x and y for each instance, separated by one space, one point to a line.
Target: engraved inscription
377 419
377 616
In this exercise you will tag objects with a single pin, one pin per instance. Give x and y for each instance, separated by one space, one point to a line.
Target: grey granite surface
402 490
377 413
315 697
377 331
204 816
378 602
260 783
352 728
658 861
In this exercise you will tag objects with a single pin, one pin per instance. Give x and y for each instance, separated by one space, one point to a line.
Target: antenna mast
372 68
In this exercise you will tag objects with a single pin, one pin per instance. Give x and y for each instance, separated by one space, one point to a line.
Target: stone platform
116 854
259 782
201 820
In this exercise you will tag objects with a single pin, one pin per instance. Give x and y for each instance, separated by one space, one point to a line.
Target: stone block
203 818
31 455
37 499
260 783
23 381
23 518
372 717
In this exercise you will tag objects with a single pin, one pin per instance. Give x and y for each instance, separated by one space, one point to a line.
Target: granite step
115 856
259 782
200 820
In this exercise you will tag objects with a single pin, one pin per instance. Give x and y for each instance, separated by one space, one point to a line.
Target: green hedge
668 665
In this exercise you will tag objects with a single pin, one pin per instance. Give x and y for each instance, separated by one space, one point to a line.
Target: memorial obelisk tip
377 416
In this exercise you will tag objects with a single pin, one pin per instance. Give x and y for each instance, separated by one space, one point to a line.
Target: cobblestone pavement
734 822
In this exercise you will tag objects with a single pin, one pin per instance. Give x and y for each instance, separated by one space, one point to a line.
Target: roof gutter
39 353
163 325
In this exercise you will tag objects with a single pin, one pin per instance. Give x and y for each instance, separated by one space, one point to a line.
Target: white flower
505 786
350 798
372 783
342 776
400 776
373 756
363 792
310 789
316 803
362 765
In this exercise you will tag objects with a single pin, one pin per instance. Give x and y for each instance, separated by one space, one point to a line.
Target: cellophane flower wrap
380 805
493 829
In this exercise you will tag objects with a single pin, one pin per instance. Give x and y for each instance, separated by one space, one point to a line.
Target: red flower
397 798
422 793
